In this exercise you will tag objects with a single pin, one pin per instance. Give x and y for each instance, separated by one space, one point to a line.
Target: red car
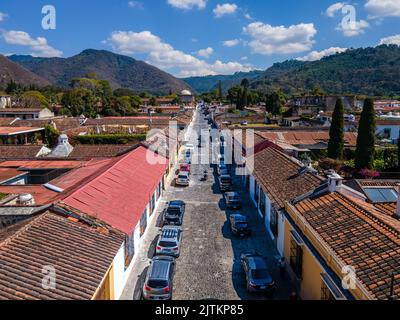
184 168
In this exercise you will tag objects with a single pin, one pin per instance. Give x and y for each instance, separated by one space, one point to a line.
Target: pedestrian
282 267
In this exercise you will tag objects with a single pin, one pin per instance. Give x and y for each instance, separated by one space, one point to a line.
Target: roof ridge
367 214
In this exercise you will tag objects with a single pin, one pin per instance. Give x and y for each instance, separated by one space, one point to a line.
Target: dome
186 93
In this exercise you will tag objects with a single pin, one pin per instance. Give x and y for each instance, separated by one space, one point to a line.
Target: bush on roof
110 138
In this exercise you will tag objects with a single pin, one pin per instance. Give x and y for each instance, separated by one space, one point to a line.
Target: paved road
209 266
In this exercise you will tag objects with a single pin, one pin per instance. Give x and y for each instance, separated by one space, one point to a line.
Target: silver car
169 243
159 278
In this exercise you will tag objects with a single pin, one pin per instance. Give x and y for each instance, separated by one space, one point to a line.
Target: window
129 249
262 202
329 289
296 254
256 191
274 221
152 204
326 294
143 223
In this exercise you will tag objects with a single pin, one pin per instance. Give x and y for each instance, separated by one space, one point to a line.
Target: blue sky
199 37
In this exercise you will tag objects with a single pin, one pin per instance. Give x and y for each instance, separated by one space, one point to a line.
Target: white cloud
164 56
353 29
205 53
244 58
135 4
231 43
39 46
188 4
391 40
2 16
267 39
248 16
383 8
331 11
318 55
225 9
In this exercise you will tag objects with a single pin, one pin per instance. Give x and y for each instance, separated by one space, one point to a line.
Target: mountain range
121 71
12 71
365 71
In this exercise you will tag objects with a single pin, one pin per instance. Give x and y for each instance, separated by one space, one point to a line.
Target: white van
182 179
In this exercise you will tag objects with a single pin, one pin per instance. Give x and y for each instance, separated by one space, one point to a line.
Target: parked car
189 147
239 225
232 200
182 179
221 167
225 183
184 168
258 277
169 242
159 279
188 156
173 214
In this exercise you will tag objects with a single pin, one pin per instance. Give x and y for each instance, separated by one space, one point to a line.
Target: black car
258 277
232 200
239 225
173 214
225 183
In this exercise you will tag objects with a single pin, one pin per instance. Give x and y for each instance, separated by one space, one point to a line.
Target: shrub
111 138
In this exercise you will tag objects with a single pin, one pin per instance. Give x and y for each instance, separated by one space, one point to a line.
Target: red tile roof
305 137
278 175
8 173
80 254
8 131
40 194
359 236
120 193
19 152
42 164
83 151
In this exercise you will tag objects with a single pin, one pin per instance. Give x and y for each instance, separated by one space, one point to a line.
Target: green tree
50 136
336 132
34 99
275 102
220 93
366 137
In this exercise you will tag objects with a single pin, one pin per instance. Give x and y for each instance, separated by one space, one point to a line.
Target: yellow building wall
310 284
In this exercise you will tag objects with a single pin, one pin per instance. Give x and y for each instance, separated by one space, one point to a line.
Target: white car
190 147
182 179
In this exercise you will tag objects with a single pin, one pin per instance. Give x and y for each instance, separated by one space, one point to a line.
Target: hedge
110 138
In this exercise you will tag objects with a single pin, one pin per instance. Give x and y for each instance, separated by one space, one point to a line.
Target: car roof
232 194
183 173
169 233
225 176
256 262
239 218
159 270
175 203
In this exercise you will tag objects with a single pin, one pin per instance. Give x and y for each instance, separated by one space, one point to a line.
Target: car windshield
157 283
225 180
182 177
241 225
167 244
260 273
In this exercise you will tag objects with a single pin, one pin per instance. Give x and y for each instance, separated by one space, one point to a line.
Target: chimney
334 182
25 199
398 202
